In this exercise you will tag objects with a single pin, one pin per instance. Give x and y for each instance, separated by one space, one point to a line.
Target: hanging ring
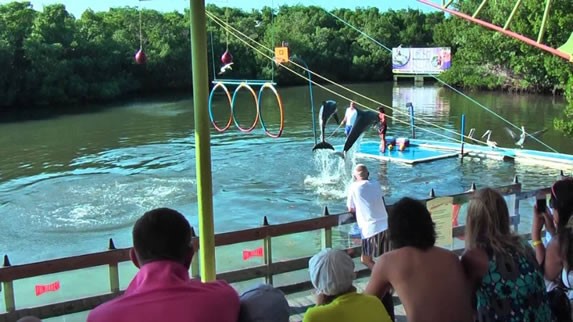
281 110
211 107
234 116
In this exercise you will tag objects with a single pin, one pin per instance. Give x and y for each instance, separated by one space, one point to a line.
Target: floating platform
411 155
421 151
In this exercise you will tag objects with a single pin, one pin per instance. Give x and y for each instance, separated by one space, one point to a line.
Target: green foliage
51 58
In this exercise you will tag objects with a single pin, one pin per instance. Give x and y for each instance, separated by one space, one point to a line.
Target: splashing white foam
334 174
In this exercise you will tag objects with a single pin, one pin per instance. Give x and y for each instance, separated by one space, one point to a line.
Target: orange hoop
234 117
211 108
281 110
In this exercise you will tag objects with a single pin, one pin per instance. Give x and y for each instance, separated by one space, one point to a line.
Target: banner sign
421 60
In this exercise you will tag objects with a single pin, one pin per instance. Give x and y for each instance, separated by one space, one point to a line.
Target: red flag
257 252
52 287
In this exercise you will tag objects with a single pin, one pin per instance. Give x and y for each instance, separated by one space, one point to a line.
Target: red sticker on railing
257 252
52 287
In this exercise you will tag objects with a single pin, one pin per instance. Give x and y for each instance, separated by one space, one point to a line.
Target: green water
69 183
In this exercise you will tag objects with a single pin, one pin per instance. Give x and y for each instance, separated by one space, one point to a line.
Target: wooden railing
112 257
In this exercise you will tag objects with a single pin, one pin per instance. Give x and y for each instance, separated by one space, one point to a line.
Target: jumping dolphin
523 135
364 119
327 110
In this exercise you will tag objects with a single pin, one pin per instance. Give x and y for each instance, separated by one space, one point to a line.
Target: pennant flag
52 287
257 252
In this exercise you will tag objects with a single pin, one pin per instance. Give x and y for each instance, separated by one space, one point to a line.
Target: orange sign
281 55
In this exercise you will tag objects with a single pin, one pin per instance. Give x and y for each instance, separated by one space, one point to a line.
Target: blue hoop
221 130
233 107
279 100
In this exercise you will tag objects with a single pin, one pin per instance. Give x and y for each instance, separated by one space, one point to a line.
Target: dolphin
327 110
364 119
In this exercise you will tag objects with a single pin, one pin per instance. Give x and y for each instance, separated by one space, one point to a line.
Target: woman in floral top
502 267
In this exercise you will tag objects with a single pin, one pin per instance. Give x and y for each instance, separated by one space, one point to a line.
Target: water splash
333 174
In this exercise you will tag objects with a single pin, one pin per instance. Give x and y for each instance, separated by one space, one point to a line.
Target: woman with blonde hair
501 266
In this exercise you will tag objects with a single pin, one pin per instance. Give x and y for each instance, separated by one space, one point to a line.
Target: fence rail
112 257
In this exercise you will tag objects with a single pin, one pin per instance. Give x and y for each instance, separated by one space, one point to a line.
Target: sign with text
441 211
421 60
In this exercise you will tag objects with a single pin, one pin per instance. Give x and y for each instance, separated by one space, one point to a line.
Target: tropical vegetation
50 57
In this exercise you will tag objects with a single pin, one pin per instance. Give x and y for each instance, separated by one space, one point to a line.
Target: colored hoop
245 85
281 110
211 108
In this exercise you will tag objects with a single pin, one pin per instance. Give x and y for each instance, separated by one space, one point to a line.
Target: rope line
233 31
228 28
442 82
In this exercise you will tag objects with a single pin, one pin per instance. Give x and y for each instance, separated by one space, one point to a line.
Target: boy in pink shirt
162 289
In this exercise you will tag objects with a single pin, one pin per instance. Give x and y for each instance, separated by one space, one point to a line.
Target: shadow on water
44 112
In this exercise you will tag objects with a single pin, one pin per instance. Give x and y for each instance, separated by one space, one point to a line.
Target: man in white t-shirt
365 200
349 118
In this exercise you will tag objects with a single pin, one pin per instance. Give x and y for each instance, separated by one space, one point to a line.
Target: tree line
50 57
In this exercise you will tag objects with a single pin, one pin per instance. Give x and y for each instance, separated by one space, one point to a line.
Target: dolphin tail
323 145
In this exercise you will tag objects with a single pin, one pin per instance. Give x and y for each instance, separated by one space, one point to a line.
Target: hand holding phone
542 205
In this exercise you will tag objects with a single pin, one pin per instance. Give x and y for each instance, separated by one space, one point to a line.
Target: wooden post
113 272
195 273
268 255
9 301
326 232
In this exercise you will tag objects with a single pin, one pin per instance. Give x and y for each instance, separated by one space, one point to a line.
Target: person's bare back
431 284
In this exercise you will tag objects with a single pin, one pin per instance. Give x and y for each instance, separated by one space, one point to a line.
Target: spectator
162 289
429 280
332 274
501 267
557 258
29 319
264 303
366 202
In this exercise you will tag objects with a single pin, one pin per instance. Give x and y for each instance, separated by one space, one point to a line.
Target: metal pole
295 57
544 21
202 140
412 127
463 131
517 4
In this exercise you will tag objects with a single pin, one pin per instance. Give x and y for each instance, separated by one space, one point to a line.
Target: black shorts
376 245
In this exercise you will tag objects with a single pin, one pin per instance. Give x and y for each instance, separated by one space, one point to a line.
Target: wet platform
410 155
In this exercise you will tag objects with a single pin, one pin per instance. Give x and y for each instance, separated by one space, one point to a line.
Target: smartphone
542 205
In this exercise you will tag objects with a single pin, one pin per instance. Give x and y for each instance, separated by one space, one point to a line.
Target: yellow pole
544 21
202 140
517 4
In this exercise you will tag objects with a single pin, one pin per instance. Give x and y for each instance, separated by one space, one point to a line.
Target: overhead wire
234 32
442 82
341 86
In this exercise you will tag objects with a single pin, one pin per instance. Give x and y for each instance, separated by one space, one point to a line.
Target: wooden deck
299 302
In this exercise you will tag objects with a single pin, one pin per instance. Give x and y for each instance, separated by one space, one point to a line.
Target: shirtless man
429 280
